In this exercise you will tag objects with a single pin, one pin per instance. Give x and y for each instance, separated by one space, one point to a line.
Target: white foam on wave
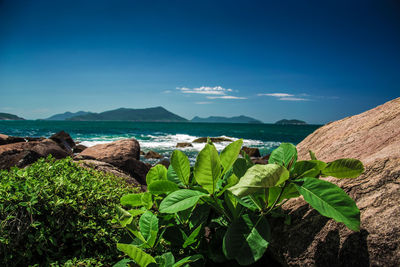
165 143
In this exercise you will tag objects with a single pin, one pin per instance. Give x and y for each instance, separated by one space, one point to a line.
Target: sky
316 61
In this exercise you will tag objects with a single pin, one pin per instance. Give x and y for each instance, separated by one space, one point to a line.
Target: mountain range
66 115
9 117
156 114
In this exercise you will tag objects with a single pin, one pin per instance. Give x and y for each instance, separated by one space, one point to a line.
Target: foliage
55 213
219 210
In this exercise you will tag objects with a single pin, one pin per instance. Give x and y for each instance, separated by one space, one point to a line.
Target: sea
162 137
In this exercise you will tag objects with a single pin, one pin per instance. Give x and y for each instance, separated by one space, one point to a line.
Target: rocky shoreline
121 158
309 239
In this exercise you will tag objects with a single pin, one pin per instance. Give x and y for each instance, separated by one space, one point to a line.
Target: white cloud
203 103
167 91
293 99
226 97
206 90
277 95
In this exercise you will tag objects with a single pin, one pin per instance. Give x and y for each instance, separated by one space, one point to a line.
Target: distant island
218 119
156 114
66 115
291 122
9 117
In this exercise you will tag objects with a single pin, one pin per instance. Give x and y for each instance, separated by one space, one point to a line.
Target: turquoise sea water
163 137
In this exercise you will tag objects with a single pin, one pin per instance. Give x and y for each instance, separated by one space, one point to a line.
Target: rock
141 153
213 139
107 168
22 154
121 149
152 155
20 159
184 144
123 154
49 147
251 151
164 162
5 139
314 240
64 140
79 148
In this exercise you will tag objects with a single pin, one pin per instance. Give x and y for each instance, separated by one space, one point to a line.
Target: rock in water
152 155
64 140
123 154
313 240
184 144
252 151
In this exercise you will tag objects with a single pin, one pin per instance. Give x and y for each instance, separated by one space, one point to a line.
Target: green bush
217 212
54 212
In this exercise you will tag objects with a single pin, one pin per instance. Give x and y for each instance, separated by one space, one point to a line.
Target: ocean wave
166 143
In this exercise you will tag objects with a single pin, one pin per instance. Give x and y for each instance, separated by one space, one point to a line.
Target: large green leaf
207 168
284 155
148 224
136 254
189 259
156 173
147 200
162 187
260 177
344 168
173 177
181 165
180 200
246 239
230 154
330 200
240 167
124 217
307 168
132 200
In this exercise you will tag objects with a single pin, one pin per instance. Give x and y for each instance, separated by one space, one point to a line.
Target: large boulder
5 139
107 168
64 140
313 240
123 154
21 154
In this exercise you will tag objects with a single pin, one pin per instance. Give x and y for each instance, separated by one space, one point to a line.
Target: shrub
56 211
218 211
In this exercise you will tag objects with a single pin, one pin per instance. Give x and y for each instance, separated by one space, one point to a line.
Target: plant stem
277 199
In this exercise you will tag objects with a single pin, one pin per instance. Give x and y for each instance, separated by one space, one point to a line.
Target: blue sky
312 60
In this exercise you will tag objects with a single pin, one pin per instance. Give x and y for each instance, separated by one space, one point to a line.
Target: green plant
56 212
219 210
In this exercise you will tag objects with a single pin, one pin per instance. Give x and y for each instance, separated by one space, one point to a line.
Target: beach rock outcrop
314 240
153 155
5 139
184 144
79 148
64 140
252 151
213 139
21 154
107 168
123 154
